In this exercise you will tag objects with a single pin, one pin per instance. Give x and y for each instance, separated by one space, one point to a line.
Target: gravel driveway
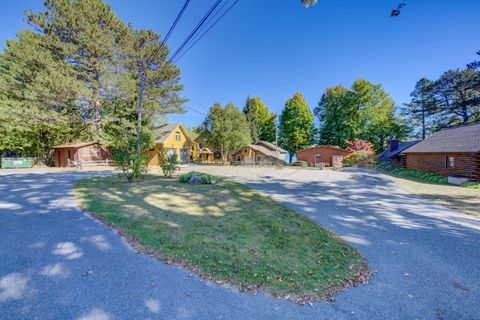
58 263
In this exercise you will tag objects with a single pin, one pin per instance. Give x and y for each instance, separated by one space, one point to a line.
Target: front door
183 155
337 161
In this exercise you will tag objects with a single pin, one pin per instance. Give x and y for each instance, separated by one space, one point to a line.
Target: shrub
205 177
361 159
404 172
168 163
359 144
300 163
472 185
131 163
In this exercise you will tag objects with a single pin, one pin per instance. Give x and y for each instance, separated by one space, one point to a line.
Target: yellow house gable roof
167 129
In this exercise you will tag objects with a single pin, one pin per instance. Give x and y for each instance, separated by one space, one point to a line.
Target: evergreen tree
296 125
453 99
457 98
69 76
39 99
421 107
86 34
260 120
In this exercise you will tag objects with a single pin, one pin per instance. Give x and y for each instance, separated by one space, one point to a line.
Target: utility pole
276 142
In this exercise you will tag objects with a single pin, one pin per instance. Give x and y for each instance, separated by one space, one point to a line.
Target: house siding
465 164
325 153
182 145
95 152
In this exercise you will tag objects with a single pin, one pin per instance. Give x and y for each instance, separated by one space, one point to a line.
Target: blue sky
272 48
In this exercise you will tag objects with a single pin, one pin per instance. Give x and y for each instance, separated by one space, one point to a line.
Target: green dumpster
16 163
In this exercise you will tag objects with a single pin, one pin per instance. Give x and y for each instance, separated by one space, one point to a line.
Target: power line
179 16
204 33
212 18
170 31
195 30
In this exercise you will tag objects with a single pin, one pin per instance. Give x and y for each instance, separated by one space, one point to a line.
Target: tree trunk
98 116
423 123
290 156
141 75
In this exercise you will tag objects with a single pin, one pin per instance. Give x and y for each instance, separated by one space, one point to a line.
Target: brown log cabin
453 151
83 153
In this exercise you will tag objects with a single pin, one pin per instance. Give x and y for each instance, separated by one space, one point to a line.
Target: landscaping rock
195 180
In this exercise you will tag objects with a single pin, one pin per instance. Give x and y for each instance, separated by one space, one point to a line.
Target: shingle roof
165 130
265 151
75 145
387 154
459 139
271 146
323 147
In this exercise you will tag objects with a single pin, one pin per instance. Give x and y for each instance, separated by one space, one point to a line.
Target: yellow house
201 153
174 139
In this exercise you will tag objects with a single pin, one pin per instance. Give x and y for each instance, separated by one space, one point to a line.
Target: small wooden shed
82 153
323 155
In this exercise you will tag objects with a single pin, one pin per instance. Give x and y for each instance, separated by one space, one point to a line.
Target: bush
300 163
131 165
472 185
359 144
404 172
168 163
361 159
205 177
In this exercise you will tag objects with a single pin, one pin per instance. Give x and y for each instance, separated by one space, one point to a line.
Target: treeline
451 100
365 112
76 74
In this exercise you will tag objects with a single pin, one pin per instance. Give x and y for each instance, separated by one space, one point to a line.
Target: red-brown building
323 155
83 153
454 151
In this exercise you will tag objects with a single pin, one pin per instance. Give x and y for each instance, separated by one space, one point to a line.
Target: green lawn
226 232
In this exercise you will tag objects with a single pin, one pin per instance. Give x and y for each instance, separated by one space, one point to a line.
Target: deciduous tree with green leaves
296 125
261 121
365 111
225 130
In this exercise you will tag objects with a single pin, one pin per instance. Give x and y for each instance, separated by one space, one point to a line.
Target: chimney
393 145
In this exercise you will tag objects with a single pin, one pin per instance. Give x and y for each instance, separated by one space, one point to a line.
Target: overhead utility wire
195 30
204 33
170 31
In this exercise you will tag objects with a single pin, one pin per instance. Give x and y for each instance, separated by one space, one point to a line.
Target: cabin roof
75 145
324 147
165 130
458 139
387 154
271 146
